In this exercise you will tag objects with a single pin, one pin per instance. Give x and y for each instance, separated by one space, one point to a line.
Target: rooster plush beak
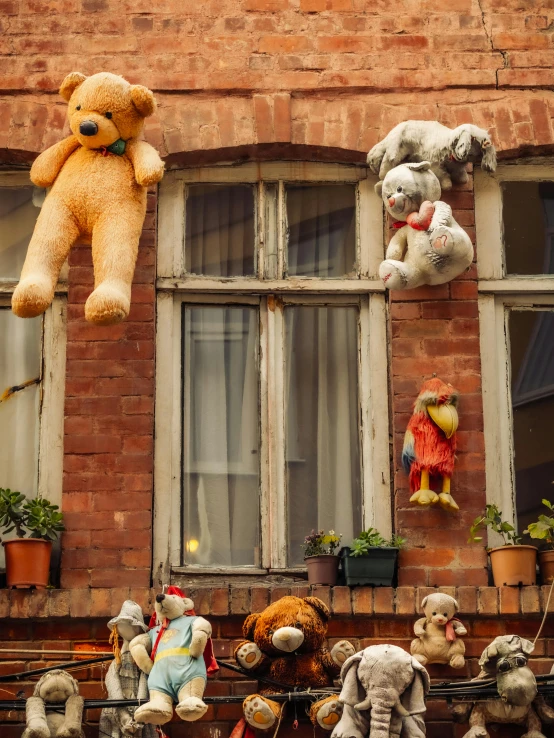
445 416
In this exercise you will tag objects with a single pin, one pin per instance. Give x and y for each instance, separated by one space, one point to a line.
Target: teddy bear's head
439 608
292 624
406 186
56 686
172 606
104 108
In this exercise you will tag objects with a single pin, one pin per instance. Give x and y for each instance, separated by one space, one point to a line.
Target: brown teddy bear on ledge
286 643
437 633
98 177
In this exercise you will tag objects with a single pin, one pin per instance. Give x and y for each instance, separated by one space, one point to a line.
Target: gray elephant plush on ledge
506 661
383 694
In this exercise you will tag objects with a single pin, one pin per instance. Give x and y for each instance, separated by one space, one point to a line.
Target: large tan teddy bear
429 246
98 177
437 640
286 642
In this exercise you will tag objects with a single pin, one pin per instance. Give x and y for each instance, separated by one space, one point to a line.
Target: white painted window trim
497 294
174 288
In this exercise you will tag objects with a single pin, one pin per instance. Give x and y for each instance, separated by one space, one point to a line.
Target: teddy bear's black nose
160 598
88 128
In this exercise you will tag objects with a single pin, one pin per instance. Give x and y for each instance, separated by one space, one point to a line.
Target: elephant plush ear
421 671
352 692
320 606
419 166
70 84
249 625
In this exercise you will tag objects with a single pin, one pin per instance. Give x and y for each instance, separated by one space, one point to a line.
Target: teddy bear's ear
419 166
70 84
424 601
249 625
318 605
379 188
143 100
456 604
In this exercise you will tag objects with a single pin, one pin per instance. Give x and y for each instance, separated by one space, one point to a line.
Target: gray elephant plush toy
383 694
506 661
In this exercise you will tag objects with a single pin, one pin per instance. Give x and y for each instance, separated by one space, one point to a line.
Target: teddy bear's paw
191 708
32 296
260 713
329 713
37 731
393 277
249 655
441 240
149 175
154 713
457 662
107 305
425 497
72 731
341 651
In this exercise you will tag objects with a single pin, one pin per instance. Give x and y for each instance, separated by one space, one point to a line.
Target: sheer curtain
220 230
17 220
220 436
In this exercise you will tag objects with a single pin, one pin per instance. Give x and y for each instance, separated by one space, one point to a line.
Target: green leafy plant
493 519
321 543
371 538
36 518
543 529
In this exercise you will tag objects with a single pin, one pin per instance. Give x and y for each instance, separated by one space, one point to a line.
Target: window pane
20 362
322 432
322 230
532 370
220 230
528 216
220 436
17 220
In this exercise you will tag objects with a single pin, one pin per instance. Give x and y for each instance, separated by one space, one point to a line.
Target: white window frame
174 288
52 385
498 292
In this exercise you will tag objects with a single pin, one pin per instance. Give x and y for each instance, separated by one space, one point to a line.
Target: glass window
221 460
322 230
532 372
219 238
322 433
17 220
528 217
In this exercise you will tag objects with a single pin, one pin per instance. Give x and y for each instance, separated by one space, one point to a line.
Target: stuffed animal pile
98 178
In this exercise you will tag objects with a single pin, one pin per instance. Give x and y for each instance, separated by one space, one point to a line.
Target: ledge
242 600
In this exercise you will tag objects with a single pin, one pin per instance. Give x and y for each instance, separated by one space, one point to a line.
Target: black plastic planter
376 569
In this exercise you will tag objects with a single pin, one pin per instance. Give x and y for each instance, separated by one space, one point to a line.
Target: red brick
509 600
362 599
405 601
341 601
220 601
383 601
488 601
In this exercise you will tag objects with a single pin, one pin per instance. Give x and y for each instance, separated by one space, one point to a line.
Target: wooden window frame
52 387
175 288
498 293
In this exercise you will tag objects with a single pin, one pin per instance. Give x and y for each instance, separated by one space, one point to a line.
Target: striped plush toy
430 443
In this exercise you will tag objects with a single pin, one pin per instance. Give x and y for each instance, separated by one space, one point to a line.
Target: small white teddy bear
448 150
437 633
178 672
432 248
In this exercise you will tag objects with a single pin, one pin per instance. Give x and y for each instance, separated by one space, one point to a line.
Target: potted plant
543 530
371 560
512 564
36 523
320 557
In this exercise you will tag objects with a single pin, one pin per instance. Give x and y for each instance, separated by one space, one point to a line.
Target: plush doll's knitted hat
130 613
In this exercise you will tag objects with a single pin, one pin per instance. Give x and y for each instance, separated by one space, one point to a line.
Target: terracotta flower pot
27 562
322 569
514 565
546 565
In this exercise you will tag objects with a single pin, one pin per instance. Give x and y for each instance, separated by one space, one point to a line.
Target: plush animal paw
425 497
71 731
155 712
457 662
147 176
32 296
478 731
107 305
393 277
249 655
447 502
37 731
422 220
191 708
441 240
328 712
341 651
260 713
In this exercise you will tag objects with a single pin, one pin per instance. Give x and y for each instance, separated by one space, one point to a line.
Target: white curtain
220 436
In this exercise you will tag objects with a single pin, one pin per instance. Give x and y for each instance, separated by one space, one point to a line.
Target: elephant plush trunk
381 707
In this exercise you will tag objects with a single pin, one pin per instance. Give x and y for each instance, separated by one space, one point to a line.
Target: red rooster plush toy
430 443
